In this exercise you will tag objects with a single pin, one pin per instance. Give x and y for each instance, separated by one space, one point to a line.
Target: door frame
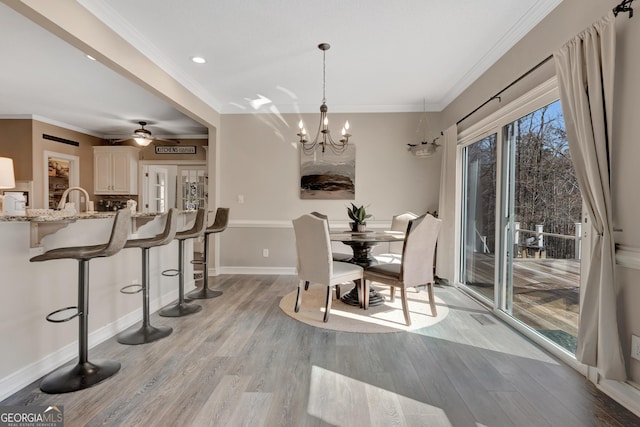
74 175
538 97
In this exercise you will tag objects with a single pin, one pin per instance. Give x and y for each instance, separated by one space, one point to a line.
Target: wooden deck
546 292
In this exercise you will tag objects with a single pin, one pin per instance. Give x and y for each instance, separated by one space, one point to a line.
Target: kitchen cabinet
115 170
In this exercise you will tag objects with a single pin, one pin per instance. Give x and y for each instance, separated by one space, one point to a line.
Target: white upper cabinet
115 170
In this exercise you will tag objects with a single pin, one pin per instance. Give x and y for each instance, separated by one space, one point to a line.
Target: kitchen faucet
66 193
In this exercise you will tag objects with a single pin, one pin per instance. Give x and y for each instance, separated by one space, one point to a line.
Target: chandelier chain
324 76
323 137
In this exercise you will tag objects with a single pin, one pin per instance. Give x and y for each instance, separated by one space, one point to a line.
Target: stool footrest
135 288
49 319
197 262
171 272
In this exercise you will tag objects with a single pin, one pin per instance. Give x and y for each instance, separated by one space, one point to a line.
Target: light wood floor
241 361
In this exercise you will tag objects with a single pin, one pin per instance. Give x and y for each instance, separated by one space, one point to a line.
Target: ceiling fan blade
121 139
171 141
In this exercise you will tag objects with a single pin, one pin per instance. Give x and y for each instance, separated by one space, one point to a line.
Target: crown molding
105 13
518 30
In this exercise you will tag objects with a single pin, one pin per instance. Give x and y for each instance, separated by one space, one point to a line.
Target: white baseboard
255 270
25 376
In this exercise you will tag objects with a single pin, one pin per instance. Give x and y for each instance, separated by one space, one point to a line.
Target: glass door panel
157 189
479 217
541 226
192 187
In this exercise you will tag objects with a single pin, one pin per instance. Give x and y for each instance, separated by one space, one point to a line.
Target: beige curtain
585 69
445 267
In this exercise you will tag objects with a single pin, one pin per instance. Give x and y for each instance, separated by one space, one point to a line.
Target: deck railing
539 238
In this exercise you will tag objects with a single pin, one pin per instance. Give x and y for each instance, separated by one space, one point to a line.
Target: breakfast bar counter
32 346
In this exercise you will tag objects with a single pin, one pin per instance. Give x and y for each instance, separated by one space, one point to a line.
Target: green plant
358 214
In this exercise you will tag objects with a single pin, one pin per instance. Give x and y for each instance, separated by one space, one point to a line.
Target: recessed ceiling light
198 59
90 57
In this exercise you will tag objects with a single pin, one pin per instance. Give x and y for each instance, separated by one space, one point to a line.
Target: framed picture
328 175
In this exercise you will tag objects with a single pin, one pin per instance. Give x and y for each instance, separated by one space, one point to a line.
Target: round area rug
384 318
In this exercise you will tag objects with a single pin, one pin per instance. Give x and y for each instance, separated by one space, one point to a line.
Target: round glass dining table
361 244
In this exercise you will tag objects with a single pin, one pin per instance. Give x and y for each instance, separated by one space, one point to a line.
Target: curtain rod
497 95
624 6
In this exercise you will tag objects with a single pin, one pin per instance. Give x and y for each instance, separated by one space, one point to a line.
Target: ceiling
262 56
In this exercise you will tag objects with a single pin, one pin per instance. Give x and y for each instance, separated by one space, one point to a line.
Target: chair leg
146 333
405 306
299 297
84 373
338 293
432 301
392 294
205 292
181 308
306 285
328 305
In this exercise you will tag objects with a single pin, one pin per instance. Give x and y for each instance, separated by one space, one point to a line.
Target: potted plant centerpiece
358 215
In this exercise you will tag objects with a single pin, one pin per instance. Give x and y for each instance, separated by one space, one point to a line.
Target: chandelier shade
323 139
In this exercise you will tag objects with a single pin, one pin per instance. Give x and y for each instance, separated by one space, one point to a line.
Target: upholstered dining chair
336 256
315 263
416 267
398 223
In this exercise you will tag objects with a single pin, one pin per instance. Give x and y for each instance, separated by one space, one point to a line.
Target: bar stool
146 332
182 308
219 225
84 374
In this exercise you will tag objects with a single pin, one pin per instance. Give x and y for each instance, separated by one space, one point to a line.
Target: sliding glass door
479 231
521 223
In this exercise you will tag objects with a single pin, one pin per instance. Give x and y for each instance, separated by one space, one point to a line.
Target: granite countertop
53 216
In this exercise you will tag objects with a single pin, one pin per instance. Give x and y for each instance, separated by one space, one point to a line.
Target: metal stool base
79 376
180 309
144 334
203 293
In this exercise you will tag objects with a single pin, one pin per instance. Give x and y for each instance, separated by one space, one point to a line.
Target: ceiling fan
143 137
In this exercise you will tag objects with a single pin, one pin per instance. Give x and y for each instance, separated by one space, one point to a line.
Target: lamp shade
7 178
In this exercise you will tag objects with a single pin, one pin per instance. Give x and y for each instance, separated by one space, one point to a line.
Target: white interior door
159 188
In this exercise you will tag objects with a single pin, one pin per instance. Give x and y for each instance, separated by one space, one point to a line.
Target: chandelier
426 148
323 136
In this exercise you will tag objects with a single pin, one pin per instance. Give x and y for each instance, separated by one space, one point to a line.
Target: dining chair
398 223
314 261
337 256
416 267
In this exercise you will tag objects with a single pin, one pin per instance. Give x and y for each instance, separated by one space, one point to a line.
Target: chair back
400 223
313 249
419 250
198 226
170 228
119 232
220 222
